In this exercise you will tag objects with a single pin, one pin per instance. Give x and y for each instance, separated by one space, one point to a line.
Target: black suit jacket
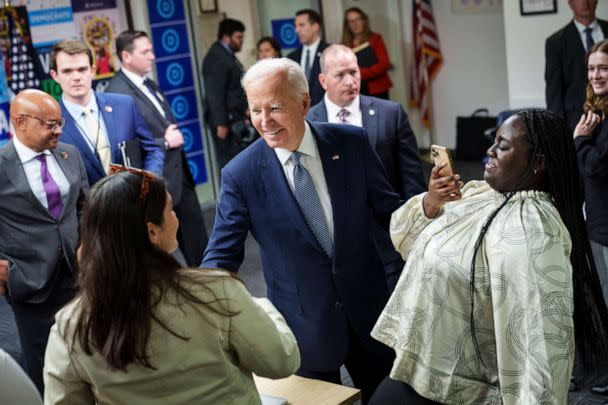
31 239
175 167
315 89
225 100
566 72
390 135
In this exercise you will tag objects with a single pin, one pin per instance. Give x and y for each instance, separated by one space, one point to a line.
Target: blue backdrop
175 76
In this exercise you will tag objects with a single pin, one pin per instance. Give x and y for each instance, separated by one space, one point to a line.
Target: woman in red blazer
371 53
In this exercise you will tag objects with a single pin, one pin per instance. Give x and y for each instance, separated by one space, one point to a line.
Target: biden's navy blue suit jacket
315 293
123 122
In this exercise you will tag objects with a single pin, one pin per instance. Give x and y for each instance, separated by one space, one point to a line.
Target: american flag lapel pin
108 108
64 155
335 157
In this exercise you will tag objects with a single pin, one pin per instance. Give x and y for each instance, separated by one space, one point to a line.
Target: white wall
525 50
474 71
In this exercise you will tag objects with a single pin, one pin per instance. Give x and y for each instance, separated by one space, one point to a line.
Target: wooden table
305 391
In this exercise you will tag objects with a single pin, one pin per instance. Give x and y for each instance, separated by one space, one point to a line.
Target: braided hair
550 138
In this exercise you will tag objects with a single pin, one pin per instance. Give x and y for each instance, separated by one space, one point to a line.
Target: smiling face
33 114
276 112
509 157
597 72
75 75
341 79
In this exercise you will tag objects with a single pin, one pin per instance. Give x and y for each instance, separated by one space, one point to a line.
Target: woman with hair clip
142 330
591 143
497 278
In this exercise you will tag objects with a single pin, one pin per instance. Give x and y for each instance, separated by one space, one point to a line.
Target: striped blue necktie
310 204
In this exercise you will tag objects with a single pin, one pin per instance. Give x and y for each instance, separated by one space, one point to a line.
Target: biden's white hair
267 68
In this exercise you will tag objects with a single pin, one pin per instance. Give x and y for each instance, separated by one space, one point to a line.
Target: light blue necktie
310 204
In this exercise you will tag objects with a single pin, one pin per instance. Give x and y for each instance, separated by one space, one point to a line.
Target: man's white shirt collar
134 77
26 154
308 146
312 47
76 110
354 108
581 28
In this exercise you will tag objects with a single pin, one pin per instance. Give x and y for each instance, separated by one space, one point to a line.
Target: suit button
338 304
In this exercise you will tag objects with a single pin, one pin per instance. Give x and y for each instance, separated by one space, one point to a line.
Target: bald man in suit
43 183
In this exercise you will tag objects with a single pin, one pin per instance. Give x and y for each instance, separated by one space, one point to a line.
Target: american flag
20 61
427 57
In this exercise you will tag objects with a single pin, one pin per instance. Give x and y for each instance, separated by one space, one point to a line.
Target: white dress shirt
138 81
313 52
596 34
31 166
311 160
77 112
354 109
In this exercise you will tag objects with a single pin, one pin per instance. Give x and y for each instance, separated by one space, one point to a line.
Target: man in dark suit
565 62
307 192
136 55
225 102
43 184
388 131
97 123
308 29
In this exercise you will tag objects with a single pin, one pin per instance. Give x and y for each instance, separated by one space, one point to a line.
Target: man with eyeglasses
97 123
43 183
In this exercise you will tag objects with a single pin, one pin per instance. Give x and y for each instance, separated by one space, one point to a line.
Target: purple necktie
342 116
53 195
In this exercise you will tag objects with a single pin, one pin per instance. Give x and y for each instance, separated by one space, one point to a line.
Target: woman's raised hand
442 189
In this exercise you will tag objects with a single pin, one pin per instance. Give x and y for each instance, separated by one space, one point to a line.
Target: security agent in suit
307 192
225 102
308 29
43 184
97 123
565 62
388 131
135 52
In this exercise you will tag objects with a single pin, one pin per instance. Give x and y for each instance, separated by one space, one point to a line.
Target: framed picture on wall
535 7
207 6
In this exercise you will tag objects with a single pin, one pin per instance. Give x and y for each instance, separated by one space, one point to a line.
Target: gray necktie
310 203
307 64
589 38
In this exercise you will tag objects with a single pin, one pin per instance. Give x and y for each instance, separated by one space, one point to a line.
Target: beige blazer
214 366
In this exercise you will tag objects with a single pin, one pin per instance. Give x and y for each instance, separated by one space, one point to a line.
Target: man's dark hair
313 16
228 26
71 47
125 41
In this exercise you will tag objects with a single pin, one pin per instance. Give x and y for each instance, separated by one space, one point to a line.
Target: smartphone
441 154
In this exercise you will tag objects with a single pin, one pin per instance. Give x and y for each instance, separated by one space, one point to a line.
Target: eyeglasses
49 124
145 181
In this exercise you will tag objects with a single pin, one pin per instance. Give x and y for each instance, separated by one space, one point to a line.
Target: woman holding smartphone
498 278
